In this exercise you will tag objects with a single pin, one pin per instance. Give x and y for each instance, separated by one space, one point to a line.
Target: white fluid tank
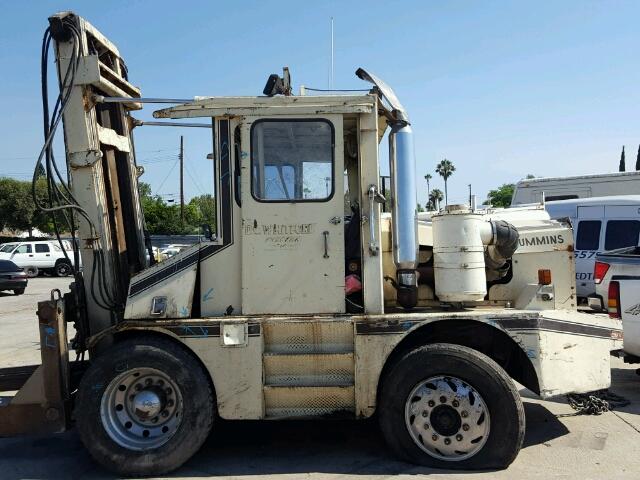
458 254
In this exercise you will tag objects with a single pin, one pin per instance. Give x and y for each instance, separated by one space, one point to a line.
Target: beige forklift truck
307 301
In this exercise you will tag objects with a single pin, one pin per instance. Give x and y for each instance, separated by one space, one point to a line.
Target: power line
195 183
168 173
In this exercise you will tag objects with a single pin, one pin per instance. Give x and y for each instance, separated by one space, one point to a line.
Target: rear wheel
62 268
449 406
18 291
31 271
144 407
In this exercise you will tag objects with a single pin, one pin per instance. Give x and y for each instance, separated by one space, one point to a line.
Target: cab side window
621 233
42 248
588 237
25 248
292 160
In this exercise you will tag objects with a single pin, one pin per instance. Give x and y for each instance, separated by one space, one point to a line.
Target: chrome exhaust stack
404 210
404 203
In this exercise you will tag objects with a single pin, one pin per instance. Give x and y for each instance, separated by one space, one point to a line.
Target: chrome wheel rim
141 409
447 418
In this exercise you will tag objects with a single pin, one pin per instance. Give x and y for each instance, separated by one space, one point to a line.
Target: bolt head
426 426
459 437
455 403
465 427
464 414
443 399
431 403
434 437
447 441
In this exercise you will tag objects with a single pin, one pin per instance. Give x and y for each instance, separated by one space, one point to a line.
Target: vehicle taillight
599 271
614 300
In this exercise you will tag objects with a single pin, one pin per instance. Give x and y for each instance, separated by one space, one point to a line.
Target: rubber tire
64 263
31 271
18 291
198 406
486 376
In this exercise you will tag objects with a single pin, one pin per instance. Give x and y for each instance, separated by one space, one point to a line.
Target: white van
599 224
39 256
583 186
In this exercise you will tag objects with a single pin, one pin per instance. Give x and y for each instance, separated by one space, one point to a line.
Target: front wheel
18 291
449 406
62 269
144 407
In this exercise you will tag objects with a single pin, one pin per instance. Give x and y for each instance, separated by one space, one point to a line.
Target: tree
445 169
164 219
501 196
17 208
205 209
428 177
621 167
638 159
435 197
420 209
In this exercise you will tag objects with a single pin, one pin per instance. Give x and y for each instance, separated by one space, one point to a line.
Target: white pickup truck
40 256
617 278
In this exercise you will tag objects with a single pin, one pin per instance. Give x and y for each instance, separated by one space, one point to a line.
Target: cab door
292 215
42 255
23 256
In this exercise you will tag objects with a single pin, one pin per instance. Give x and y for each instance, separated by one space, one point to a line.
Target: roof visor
387 93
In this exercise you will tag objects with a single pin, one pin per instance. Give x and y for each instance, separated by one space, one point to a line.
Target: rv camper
569 188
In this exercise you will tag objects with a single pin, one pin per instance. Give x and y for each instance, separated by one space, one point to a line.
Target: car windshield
8 247
8 266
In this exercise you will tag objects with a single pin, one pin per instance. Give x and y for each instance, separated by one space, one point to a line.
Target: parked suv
39 256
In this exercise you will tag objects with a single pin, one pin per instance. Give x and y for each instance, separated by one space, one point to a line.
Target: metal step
307 337
312 401
324 369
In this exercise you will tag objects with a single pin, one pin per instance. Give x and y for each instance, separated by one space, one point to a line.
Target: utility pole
469 194
181 179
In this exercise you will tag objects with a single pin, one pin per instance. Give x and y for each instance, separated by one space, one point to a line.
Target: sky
501 88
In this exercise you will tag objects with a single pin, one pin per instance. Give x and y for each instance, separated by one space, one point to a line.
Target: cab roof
271 106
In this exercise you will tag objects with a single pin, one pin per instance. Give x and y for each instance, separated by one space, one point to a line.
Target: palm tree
445 169
435 197
428 177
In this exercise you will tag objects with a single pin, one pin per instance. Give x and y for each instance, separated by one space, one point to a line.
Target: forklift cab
298 210
288 186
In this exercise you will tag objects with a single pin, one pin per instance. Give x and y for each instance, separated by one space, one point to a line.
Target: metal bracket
374 197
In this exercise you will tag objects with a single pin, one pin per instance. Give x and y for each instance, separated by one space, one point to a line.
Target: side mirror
206 231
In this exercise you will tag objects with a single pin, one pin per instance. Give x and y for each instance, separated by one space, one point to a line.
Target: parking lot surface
582 447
